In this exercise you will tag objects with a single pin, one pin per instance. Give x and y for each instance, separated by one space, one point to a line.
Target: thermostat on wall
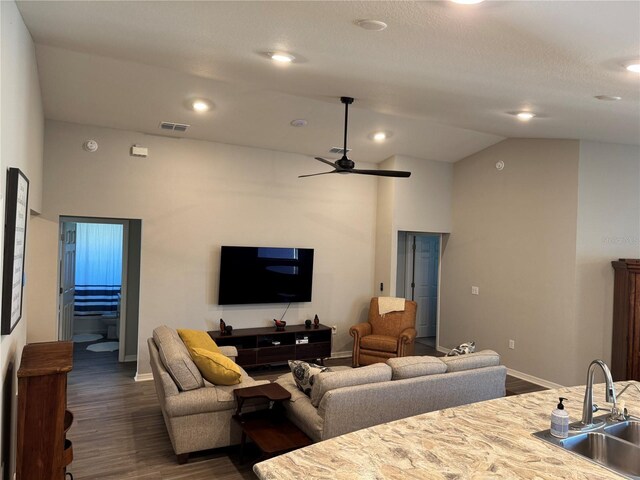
138 151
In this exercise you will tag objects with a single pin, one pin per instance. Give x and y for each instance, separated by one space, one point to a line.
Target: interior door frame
408 267
125 269
63 241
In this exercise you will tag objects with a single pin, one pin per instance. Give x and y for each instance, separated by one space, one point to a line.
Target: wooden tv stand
255 345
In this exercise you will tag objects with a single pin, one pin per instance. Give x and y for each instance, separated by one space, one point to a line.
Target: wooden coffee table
269 429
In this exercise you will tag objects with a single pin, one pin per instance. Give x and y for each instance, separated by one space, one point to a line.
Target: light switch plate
475 290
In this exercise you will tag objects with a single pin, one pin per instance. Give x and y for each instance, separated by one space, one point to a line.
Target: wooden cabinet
43 452
625 347
256 345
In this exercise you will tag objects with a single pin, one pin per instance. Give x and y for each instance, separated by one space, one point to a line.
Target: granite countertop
484 440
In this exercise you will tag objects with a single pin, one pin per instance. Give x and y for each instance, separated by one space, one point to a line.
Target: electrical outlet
334 329
512 344
475 290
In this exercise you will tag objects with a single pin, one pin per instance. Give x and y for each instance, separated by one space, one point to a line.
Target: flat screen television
265 275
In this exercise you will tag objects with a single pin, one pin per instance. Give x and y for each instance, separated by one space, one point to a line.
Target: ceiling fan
344 165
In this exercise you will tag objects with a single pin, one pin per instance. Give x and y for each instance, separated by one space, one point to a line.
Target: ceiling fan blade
316 174
323 160
382 173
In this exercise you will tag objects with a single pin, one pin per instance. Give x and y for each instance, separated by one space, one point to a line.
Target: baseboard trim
522 376
531 379
143 377
131 358
345 354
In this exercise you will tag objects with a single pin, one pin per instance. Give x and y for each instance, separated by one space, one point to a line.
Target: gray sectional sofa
348 399
197 413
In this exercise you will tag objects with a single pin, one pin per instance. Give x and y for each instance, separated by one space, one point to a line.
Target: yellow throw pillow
197 339
215 367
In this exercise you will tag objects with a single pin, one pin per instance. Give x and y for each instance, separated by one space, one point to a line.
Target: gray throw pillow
303 374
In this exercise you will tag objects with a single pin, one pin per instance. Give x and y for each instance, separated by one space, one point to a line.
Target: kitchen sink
615 445
629 431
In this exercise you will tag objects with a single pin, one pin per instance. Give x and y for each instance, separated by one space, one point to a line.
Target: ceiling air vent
175 127
338 150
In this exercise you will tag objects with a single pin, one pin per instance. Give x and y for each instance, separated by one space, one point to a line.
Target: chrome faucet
588 408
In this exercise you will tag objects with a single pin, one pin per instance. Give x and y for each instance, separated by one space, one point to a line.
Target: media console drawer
313 350
276 354
263 346
246 356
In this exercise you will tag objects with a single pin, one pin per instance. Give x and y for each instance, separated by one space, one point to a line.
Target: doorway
418 279
99 266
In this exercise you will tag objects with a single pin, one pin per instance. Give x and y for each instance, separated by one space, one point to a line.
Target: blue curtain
98 268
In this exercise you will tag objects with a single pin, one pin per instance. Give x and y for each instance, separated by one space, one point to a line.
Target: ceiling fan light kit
344 165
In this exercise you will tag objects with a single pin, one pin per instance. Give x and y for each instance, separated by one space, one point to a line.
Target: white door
424 282
67 280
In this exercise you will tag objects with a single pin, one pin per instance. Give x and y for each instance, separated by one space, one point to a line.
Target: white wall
514 235
420 203
608 229
423 201
384 230
193 197
21 130
41 267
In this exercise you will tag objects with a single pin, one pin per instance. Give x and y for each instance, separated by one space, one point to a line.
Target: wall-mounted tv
265 275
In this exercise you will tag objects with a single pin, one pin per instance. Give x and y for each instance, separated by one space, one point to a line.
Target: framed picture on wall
15 237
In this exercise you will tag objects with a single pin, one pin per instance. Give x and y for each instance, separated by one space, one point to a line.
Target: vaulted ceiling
442 78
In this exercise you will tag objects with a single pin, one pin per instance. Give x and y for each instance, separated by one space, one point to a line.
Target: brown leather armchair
384 336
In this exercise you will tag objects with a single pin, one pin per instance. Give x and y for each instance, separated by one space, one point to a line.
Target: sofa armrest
360 330
408 335
229 351
165 386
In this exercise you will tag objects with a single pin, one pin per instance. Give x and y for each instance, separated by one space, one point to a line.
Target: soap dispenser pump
560 421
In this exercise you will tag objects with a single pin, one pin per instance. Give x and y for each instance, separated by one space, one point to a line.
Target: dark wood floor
119 433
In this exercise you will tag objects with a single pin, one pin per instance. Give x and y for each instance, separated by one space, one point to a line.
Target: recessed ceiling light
379 136
609 98
525 116
299 122
467 2
281 57
633 67
201 106
373 25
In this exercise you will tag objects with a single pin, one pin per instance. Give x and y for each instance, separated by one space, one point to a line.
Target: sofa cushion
208 399
216 368
381 343
325 382
176 359
197 339
409 367
484 358
304 374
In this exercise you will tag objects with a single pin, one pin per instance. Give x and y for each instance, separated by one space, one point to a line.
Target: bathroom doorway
418 279
99 279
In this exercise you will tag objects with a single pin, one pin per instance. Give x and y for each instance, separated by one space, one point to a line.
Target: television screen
265 275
